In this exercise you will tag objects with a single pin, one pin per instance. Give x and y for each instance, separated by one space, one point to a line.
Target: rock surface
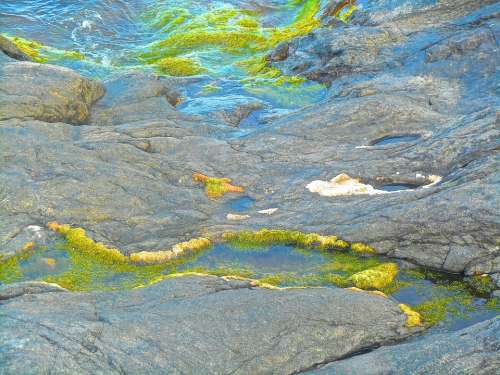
45 92
473 350
191 324
117 159
126 176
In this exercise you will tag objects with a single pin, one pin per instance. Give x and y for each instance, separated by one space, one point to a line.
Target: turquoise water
115 35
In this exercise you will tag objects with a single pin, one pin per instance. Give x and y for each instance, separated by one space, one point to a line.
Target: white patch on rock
35 230
237 217
341 185
268 211
433 179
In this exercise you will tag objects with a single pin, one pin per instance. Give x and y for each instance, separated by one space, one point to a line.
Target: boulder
192 324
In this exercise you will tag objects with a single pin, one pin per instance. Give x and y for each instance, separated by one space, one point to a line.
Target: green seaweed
481 285
179 66
237 34
40 53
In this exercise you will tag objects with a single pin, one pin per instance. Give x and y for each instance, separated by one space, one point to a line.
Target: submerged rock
192 324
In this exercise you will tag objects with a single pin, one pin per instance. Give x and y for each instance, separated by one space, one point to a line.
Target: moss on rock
377 277
217 187
413 318
286 237
179 66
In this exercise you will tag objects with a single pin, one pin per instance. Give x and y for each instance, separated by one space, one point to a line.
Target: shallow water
241 204
397 187
116 35
279 265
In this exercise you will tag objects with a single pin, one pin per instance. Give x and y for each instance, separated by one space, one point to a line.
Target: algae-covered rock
377 277
11 50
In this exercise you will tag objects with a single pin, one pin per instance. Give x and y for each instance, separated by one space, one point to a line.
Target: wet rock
11 50
129 97
192 324
228 109
473 350
25 288
46 92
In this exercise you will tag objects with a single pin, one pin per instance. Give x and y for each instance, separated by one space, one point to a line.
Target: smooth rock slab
191 325
474 350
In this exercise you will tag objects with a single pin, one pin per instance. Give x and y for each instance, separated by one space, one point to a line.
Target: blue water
111 34
241 204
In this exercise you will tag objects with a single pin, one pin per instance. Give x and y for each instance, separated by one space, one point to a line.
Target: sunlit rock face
155 124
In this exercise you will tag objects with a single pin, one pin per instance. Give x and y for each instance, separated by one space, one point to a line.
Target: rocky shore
412 101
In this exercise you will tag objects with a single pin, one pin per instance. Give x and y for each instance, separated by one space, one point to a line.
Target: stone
192 324
472 350
340 185
237 217
46 92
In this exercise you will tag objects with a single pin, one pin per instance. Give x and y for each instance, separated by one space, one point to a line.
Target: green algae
286 237
91 273
179 66
92 266
377 277
10 270
216 187
481 285
221 271
10 265
237 35
40 53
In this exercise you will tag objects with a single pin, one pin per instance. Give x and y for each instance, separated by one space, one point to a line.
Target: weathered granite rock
47 93
129 182
473 350
191 324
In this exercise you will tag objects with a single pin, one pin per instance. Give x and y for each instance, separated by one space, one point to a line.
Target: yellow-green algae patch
217 187
41 53
94 266
413 318
180 66
237 35
378 277
286 237
10 269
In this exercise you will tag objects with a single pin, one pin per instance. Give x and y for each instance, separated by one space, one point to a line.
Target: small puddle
394 139
241 204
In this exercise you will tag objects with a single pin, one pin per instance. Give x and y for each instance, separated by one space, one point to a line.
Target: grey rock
473 350
191 325
30 287
126 176
46 92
